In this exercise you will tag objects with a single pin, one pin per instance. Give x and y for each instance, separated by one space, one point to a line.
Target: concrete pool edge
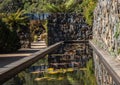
12 69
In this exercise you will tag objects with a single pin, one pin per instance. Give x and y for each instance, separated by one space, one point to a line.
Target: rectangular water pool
70 64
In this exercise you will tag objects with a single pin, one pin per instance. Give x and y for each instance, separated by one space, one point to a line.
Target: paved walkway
8 60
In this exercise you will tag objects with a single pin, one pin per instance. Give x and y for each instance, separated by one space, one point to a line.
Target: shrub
18 23
9 41
87 8
36 28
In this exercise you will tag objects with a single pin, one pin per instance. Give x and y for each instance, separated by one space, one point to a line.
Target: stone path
25 52
39 44
8 60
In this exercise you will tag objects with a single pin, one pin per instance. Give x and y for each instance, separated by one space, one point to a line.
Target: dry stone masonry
106 35
106 27
67 27
64 27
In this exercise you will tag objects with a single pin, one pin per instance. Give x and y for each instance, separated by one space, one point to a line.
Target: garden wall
106 26
64 27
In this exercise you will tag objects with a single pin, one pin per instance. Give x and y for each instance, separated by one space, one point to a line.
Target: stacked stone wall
106 26
64 27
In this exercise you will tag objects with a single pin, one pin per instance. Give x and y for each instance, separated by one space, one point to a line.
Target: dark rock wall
24 36
64 27
71 55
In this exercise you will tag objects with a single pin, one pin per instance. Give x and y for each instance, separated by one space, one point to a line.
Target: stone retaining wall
64 27
106 26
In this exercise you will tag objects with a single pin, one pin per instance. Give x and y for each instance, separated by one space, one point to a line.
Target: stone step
36 47
38 44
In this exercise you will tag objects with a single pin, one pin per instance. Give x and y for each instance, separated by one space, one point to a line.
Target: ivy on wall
87 8
117 33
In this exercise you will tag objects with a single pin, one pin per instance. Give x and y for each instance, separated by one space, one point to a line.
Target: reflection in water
72 55
71 65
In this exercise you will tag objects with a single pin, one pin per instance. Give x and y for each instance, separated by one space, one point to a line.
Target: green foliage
86 77
87 7
11 25
36 29
90 73
65 7
16 20
35 37
117 33
44 24
118 51
10 6
9 41
37 6
34 6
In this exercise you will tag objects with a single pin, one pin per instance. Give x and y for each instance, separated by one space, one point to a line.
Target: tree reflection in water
72 66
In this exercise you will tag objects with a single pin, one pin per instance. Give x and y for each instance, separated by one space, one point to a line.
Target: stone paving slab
14 55
11 60
12 65
7 59
20 52
36 47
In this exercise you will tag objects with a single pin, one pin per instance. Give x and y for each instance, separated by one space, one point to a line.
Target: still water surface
71 64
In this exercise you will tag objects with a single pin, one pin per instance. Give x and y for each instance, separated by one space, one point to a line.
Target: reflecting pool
70 64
